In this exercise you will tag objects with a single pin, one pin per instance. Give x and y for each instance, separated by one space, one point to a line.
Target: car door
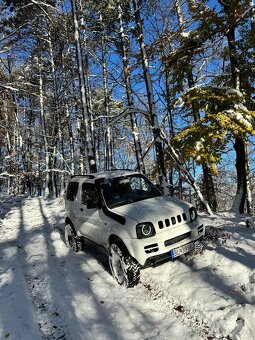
72 200
93 225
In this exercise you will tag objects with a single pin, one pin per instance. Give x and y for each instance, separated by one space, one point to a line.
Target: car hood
154 209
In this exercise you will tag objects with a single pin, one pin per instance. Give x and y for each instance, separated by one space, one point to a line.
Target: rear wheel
124 268
73 241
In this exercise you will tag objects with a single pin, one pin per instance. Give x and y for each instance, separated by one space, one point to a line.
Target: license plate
181 250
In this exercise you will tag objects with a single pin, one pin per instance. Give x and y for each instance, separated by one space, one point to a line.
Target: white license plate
182 250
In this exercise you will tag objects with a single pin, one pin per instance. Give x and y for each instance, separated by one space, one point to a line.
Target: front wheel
124 268
73 241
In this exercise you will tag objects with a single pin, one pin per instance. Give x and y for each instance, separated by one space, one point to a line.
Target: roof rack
123 169
91 176
88 176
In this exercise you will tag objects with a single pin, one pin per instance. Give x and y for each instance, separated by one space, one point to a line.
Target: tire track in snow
50 321
188 317
48 313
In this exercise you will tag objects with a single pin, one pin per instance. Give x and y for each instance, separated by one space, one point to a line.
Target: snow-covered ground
48 292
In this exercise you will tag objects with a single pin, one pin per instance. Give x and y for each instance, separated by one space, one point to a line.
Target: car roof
103 174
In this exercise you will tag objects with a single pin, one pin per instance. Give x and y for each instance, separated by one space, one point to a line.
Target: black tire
73 241
124 268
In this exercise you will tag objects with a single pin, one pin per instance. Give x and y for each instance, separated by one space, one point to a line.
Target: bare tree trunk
8 147
48 192
58 118
207 172
108 163
126 65
151 100
71 139
90 152
87 79
170 124
55 173
248 183
239 202
81 146
252 4
240 146
186 174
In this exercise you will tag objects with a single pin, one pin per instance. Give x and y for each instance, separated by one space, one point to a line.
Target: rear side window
88 193
72 190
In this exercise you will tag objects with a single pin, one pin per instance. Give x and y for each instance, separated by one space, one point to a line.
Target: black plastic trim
113 215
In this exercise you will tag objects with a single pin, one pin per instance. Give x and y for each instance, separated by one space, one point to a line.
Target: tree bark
90 152
108 163
242 165
56 108
207 172
128 86
48 187
239 203
151 100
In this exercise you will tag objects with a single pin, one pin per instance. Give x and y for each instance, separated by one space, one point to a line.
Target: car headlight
193 214
144 230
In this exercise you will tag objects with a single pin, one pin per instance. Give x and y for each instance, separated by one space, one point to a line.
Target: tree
85 114
149 88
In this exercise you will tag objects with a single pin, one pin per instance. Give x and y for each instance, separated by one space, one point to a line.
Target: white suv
126 214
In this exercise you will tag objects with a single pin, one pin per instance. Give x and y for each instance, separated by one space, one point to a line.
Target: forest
162 87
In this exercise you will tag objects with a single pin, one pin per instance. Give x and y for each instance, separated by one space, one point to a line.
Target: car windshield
128 189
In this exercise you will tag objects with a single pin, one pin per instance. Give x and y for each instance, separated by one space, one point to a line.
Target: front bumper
148 251
163 257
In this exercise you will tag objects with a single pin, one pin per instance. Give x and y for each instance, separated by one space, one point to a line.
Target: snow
185 34
239 116
49 292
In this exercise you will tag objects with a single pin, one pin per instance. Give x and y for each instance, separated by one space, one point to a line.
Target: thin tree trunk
58 118
17 137
170 124
55 173
48 191
90 152
207 172
108 139
81 146
186 174
151 100
126 66
239 202
87 80
242 165
8 147
71 139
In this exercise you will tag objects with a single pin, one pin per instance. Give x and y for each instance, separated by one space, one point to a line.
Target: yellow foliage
224 115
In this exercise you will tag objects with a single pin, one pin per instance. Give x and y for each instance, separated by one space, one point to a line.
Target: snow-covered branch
8 87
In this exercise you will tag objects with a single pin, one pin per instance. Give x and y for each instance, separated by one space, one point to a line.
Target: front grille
177 239
151 248
172 221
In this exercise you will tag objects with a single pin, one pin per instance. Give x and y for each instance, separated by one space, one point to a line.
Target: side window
72 190
89 195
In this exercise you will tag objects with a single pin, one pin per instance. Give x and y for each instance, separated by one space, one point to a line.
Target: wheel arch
131 268
116 239
68 221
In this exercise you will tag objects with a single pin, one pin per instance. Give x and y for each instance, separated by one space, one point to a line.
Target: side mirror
91 204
